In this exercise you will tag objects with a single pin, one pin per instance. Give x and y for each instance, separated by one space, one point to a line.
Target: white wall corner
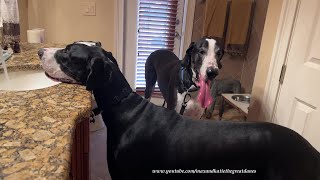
279 57
118 32
187 27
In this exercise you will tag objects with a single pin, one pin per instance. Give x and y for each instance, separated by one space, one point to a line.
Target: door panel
300 116
299 98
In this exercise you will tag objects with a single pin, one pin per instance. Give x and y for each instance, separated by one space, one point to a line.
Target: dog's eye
202 52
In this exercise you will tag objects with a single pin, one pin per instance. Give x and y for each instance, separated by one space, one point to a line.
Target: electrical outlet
88 8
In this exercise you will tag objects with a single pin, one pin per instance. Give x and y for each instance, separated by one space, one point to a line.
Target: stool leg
221 108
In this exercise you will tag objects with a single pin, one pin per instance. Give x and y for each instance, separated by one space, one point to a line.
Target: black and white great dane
148 142
199 67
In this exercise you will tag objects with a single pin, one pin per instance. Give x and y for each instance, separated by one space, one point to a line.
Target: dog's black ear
97 75
110 56
219 65
186 62
219 54
98 43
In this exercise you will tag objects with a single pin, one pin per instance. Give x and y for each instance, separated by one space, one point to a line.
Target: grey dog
222 86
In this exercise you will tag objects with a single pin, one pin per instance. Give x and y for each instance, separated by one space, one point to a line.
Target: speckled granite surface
28 58
36 126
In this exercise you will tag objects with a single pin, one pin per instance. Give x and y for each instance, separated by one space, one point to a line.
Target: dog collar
124 93
184 86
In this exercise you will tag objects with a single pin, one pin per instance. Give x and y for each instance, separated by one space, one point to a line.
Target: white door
298 104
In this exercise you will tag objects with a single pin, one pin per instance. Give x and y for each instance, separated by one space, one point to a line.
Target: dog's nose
212 72
40 53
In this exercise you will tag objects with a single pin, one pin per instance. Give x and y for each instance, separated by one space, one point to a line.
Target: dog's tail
151 78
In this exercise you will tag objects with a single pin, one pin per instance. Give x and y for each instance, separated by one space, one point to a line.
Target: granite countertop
28 58
36 127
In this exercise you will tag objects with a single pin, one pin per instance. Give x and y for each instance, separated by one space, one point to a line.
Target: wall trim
279 57
118 31
187 27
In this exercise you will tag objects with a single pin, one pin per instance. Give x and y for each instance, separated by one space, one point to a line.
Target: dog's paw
208 115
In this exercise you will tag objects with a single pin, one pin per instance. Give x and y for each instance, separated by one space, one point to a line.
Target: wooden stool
242 107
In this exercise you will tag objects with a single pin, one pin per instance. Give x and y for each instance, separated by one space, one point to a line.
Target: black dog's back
162 57
143 137
165 63
174 142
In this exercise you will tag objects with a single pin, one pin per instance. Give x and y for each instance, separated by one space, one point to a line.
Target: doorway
293 100
238 67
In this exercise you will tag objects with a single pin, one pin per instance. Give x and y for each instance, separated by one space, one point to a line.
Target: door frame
119 30
187 26
279 58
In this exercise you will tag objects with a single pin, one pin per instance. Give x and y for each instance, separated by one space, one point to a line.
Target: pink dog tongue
204 96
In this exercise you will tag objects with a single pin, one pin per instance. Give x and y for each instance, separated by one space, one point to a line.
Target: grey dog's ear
97 75
186 62
219 54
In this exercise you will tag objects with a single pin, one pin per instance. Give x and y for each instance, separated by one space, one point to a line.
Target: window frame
126 33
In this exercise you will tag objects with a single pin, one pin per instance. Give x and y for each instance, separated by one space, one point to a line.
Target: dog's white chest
193 109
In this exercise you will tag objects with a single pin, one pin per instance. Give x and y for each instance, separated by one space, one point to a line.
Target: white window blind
157 24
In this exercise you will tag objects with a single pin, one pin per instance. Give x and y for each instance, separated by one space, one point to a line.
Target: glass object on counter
10 23
3 63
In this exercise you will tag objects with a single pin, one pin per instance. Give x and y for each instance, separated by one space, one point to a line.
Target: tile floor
98 148
230 113
98 154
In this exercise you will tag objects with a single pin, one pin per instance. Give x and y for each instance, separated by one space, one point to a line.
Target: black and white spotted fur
202 58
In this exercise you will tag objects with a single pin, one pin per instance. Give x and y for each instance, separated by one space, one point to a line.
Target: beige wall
265 54
23 15
64 22
231 66
251 59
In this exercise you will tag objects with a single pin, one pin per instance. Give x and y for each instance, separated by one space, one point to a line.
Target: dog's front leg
214 94
211 109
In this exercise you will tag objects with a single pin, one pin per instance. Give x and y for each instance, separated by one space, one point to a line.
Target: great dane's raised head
204 57
203 61
78 63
